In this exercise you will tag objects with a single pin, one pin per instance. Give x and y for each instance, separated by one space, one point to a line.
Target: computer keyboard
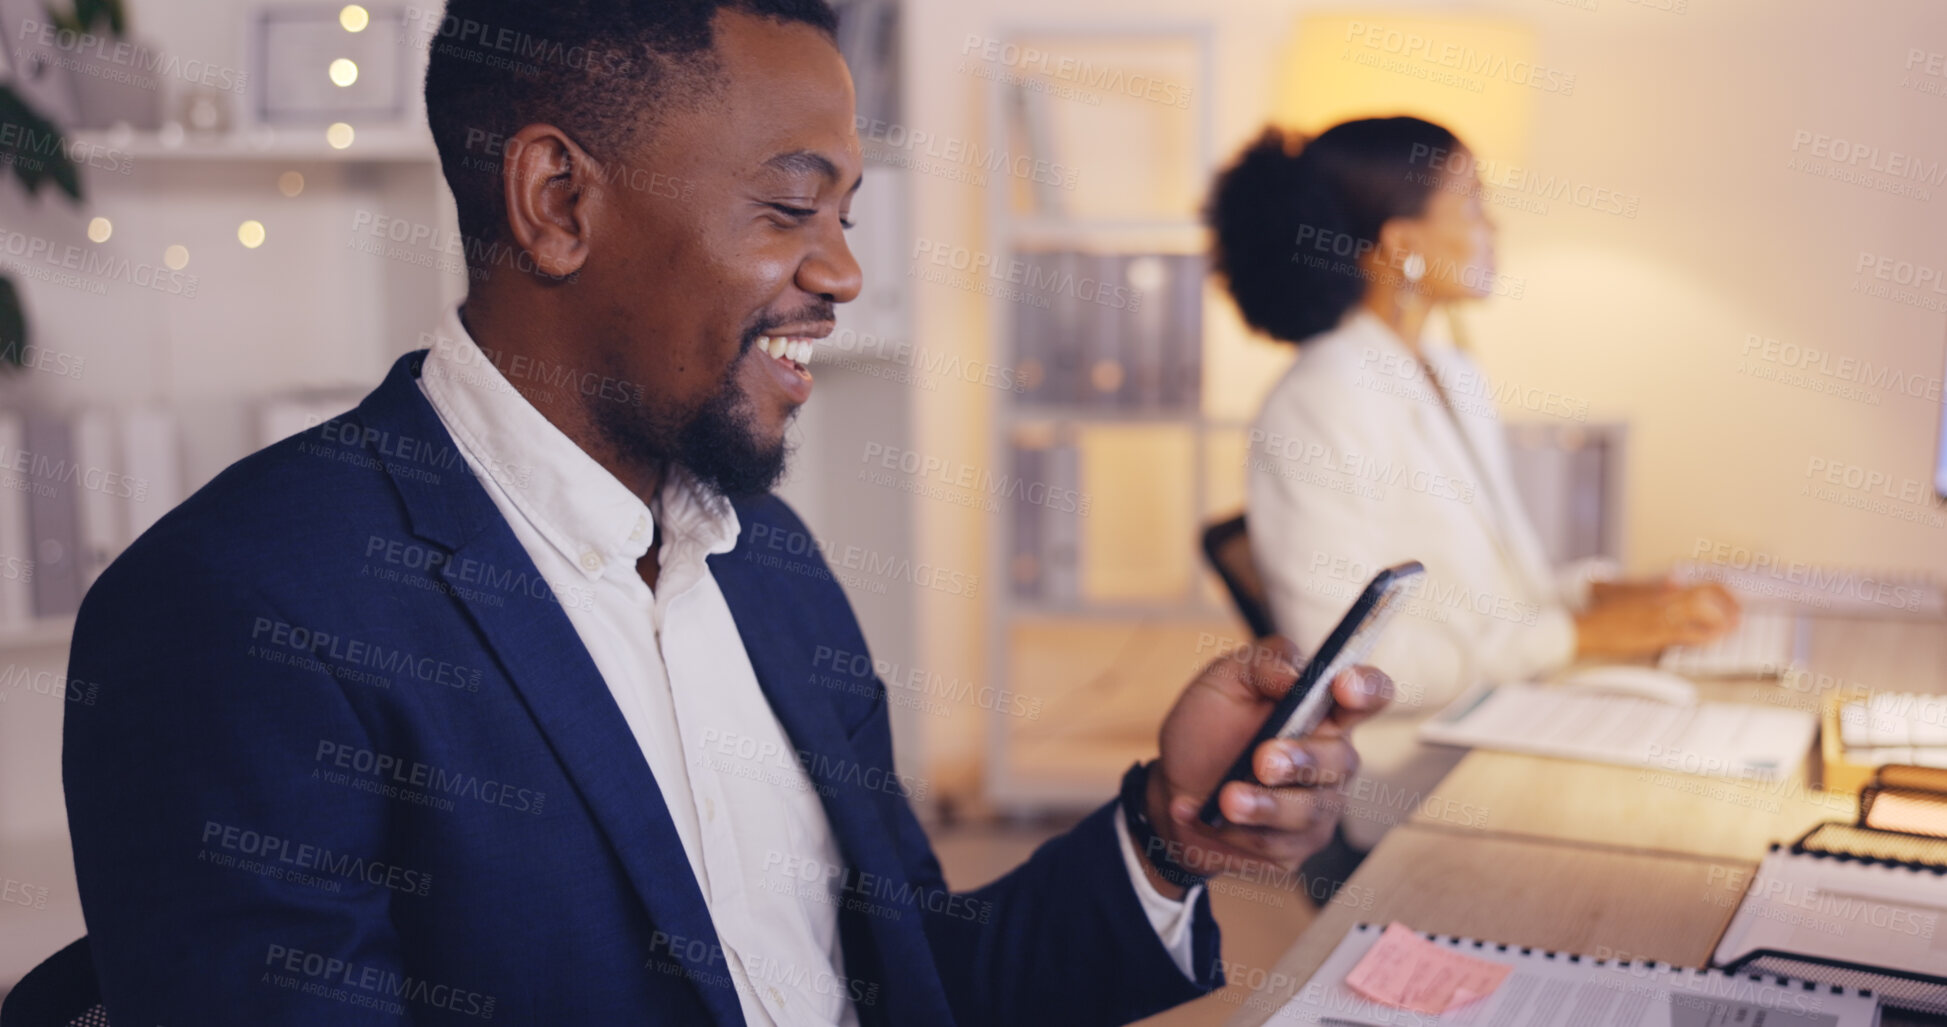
1765 644
1833 591
1895 727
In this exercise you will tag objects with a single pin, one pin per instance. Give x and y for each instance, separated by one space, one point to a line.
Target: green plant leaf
35 148
13 327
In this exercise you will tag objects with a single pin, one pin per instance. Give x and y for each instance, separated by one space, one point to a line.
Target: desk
1609 861
1550 895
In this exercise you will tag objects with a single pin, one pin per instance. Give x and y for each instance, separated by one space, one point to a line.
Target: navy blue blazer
351 764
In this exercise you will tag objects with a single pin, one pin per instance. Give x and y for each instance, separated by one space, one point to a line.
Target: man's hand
1291 815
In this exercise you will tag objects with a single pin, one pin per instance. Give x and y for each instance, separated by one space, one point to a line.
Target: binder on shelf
1183 372
1034 333
1061 558
1025 566
1119 331
101 514
16 551
1107 331
49 449
1066 373
1546 988
1148 277
151 455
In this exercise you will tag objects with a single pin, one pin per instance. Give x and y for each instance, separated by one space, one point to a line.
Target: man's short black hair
600 70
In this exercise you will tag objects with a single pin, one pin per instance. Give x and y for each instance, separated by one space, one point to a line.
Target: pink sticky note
1406 971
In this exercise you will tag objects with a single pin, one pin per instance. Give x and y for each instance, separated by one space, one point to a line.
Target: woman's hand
1640 621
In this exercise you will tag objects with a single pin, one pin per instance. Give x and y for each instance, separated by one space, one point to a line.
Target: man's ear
548 183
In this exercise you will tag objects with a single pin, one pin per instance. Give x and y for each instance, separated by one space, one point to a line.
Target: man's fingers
1300 763
1267 669
1280 810
1358 693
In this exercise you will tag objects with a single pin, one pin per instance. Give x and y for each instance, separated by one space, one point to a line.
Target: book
1832 918
16 552
52 478
1542 988
1715 739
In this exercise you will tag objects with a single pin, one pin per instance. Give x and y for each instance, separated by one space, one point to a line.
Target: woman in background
1380 446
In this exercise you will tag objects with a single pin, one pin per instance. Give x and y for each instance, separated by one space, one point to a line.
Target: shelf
1022 412
37 634
1043 610
1132 235
374 145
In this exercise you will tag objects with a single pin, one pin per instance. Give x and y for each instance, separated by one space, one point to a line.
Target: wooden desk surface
1609 861
1665 811
1550 895
1626 808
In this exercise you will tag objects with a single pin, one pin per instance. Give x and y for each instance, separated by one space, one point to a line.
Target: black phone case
1308 680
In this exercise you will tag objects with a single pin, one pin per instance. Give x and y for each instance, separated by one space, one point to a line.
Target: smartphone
1304 707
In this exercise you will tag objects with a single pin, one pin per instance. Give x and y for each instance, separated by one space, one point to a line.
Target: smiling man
482 700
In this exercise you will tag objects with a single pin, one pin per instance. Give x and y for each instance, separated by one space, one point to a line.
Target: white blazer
1356 465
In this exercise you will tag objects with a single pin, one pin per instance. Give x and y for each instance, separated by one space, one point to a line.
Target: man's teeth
784 348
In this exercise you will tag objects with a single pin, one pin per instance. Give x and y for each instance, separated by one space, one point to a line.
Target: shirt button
777 997
641 526
591 561
709 809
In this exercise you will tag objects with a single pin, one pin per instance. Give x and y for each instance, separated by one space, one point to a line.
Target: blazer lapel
551 669
1486 447
781 659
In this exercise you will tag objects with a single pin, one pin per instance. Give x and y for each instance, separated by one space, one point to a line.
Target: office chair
1228 548
61 992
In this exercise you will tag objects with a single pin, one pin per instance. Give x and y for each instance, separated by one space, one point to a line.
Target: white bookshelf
1071 761
370 145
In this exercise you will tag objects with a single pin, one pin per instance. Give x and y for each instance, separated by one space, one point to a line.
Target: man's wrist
1152 833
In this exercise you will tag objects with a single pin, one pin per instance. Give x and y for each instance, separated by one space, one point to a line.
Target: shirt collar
583 511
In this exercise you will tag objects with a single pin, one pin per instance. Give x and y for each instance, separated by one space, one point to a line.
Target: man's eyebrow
810 162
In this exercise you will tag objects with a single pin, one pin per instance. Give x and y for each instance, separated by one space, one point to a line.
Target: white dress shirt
1355 465
756 836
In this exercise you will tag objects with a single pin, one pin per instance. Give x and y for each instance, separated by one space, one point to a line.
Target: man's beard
717 444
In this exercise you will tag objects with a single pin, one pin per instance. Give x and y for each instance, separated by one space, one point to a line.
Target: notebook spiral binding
1895 988
1799 848
1651 965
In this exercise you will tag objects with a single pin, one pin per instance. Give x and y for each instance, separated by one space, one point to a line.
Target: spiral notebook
1559 989
1843 918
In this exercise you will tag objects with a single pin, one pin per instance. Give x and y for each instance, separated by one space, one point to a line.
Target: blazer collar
568 700
1463 439
551 669
781 651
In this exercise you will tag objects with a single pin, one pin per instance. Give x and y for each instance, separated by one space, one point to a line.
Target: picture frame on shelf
294 77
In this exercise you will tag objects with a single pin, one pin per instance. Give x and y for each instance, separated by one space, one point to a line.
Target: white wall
1644 319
